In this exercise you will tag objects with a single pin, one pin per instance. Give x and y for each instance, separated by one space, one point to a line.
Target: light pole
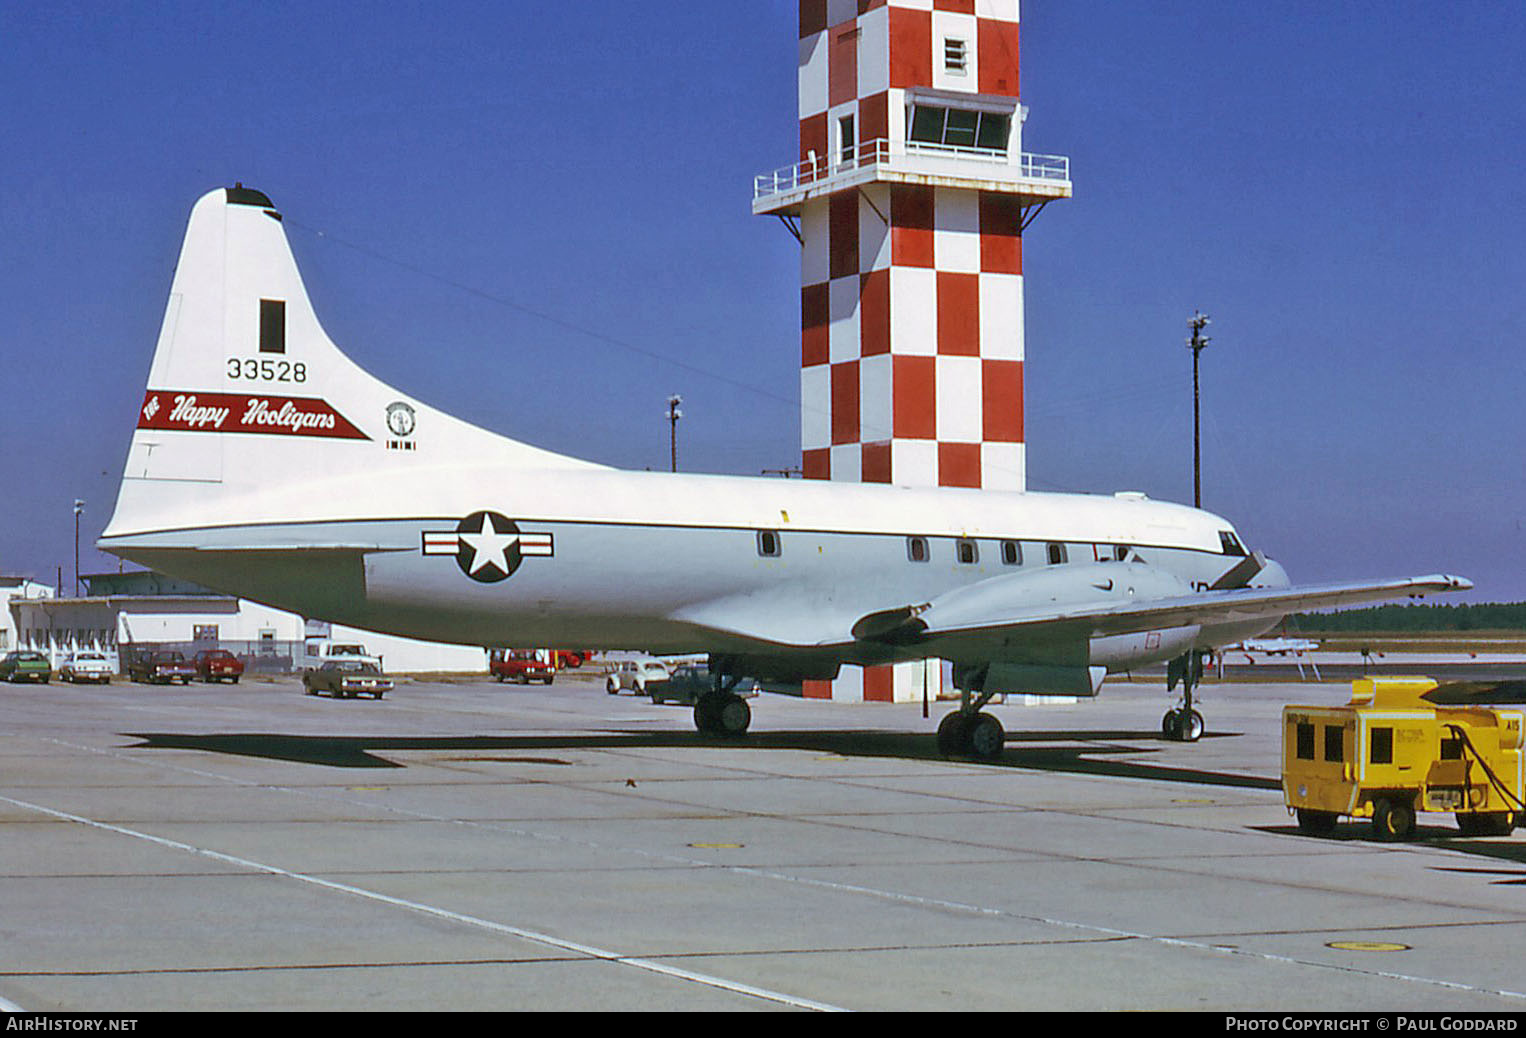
79 508
674 414
1196 344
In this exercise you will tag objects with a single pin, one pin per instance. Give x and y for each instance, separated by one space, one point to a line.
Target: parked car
25 665
163 667
218 665
572 658
692 680
521 665
319 651
637 675
347 678
85 667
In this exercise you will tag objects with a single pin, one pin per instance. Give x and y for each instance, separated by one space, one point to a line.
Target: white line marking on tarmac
441 913
847 888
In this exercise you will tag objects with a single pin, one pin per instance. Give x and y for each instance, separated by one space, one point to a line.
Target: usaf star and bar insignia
487 546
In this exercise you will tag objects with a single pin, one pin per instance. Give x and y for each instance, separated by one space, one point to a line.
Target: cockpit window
1230 543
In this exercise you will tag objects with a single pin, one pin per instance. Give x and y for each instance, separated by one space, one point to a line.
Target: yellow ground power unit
1406 745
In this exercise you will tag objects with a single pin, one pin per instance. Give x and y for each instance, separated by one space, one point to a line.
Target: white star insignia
489 546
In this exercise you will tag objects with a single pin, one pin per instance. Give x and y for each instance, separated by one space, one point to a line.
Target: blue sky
537 216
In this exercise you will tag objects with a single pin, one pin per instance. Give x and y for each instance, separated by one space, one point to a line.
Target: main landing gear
969 731
721 712
1183 723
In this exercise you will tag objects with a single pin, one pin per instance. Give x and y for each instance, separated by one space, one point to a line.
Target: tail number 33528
248 369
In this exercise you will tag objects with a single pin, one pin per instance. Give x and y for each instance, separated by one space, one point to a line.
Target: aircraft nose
1272 575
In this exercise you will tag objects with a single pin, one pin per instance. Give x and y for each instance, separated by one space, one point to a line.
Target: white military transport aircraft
267 464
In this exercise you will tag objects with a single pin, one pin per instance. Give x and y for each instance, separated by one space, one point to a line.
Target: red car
521 665
218 665
157 667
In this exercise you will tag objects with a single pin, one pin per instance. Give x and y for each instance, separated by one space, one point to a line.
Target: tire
1393 820
954 735
612 687
733 716
986 737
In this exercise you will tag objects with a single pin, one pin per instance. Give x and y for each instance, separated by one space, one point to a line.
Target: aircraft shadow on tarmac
1074 752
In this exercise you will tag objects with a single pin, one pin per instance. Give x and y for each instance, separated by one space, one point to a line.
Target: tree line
1416 617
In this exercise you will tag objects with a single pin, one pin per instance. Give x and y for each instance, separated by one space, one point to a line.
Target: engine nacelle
1125 651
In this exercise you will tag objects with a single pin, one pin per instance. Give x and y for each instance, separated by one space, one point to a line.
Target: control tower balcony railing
1037 178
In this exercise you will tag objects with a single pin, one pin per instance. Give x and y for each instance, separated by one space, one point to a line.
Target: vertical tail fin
247 394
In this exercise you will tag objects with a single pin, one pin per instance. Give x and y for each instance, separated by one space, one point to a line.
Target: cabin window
1304 740
1335 742
1382 746
1011 553
768 544
1057 554
1230 543
967 551
272 326
916 549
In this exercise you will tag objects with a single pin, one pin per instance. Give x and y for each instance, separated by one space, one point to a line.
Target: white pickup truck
318 651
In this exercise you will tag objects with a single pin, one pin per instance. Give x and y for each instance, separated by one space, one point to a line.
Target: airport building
17 589
149 609
910 198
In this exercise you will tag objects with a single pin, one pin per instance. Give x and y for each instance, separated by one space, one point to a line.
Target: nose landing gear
1183 723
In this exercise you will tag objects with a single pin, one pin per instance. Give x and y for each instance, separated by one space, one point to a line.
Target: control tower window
960 128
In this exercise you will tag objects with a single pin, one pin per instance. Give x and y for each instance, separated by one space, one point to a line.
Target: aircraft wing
949 618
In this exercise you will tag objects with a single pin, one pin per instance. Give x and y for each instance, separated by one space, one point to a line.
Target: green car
22 665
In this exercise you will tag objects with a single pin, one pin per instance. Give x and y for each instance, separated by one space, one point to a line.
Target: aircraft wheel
1180 727
1192 730
987 738
954 735
722 714
1168 724
734 716
1316 823
1393 820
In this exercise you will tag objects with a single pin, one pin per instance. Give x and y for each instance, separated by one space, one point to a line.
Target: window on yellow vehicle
1304 741
1335 742
1382 746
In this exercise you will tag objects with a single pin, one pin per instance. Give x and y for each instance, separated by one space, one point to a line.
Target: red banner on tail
244 413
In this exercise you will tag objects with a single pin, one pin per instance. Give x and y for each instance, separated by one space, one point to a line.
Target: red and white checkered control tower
910 199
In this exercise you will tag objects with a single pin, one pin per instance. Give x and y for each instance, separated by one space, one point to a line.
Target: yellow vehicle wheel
1393 820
